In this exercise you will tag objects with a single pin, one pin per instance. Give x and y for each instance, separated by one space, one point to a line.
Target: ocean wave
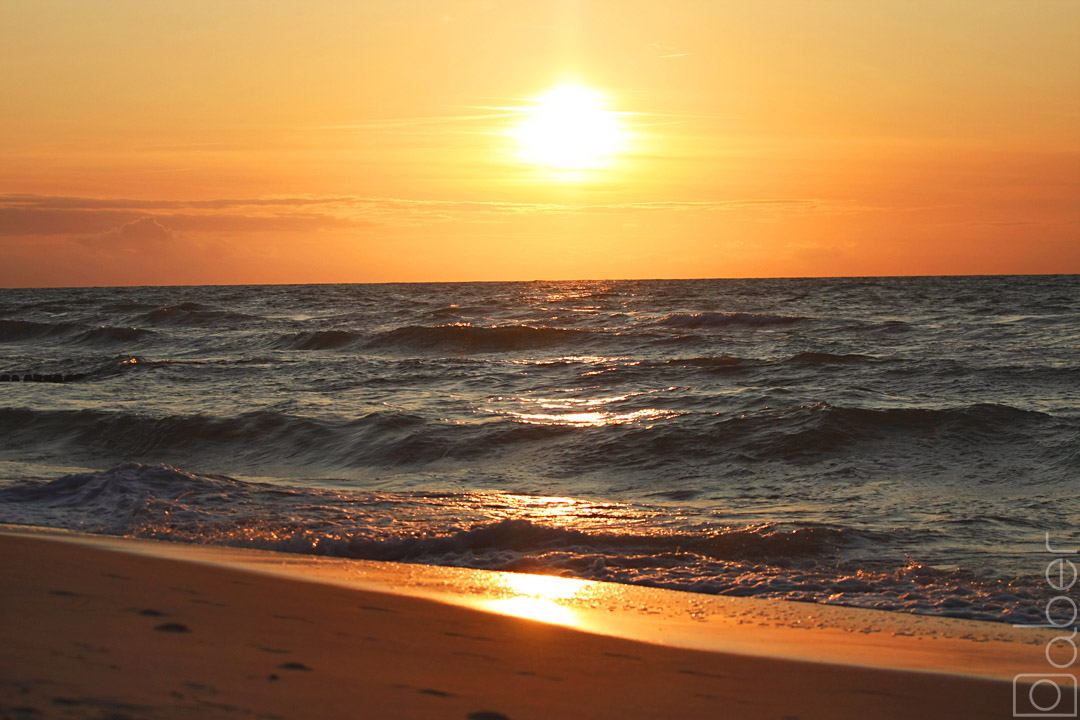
520 536
129 499
824 358
21 330
394 439
145 499
469 338
808 434
453 311
705 320
103 335
48 306
980 419
318 340
252 439
96 368
887 328
110 496
192 315
17 330
822 428
127 306
719 363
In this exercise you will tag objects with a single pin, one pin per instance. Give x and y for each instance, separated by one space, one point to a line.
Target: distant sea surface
897 443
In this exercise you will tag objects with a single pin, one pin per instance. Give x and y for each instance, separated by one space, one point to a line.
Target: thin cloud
35 215
666 51
295 222
414 125
135 235
79 203
54 221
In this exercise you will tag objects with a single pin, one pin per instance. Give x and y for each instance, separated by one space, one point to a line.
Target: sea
906 443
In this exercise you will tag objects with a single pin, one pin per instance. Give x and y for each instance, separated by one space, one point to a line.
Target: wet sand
110 628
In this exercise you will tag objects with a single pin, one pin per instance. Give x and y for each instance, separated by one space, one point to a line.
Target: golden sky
192 142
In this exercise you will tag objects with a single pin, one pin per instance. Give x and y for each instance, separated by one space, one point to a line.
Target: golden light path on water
590 419
583 412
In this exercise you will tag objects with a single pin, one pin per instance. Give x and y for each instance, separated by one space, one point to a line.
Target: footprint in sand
294 666
173 628
436 693
151 612
274 651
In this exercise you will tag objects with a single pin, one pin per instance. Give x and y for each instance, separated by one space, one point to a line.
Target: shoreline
426 641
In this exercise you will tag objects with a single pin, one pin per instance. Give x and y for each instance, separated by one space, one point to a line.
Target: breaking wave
706 320
469 338
192 315
318 340
769 560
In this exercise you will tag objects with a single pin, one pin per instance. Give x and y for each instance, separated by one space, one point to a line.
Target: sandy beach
111 628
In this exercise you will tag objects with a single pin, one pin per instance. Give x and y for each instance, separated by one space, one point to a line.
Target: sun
570 128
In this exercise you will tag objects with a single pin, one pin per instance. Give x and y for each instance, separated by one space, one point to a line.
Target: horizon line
543 280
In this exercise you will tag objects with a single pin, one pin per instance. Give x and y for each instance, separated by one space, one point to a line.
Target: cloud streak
39 215
666 51
136 236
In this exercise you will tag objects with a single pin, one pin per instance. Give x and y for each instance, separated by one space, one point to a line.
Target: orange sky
190 142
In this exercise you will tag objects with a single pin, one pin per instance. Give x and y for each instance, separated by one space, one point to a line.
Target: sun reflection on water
543 508
582 412
562 512
591 419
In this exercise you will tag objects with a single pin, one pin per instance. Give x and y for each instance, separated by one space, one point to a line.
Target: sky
242 142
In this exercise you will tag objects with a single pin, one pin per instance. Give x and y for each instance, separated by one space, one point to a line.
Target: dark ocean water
901 443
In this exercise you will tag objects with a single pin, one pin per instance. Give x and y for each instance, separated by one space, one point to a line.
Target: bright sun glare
570 128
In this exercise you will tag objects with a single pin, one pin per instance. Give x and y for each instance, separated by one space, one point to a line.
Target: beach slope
92 632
